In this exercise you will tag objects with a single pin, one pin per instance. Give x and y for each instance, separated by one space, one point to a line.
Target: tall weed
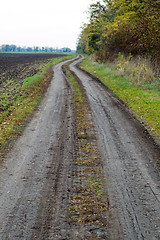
142 72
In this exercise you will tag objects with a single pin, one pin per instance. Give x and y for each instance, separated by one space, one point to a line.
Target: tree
83 40
128 26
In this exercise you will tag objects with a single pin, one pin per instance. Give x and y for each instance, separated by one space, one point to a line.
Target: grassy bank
17 108
140 93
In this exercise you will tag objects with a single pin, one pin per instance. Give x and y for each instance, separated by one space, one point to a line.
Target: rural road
36 179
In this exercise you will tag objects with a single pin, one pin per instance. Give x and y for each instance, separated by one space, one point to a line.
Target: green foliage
122 63
82 44
126 26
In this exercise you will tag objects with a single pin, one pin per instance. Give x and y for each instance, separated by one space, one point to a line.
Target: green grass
143 99
14 115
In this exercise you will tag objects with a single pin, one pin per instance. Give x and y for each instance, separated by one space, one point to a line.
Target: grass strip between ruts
88 203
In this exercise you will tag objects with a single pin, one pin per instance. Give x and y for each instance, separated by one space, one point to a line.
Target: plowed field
14 69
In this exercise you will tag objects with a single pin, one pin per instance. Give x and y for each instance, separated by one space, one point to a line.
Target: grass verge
143 98
17 112
88 203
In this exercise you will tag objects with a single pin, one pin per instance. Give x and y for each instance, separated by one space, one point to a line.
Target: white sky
52 23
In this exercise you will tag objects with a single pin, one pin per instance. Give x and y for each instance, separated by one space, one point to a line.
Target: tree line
14 48
126 26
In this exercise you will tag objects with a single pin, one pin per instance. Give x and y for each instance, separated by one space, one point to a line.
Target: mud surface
37 179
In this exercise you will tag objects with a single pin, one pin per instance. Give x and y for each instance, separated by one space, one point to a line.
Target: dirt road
36 180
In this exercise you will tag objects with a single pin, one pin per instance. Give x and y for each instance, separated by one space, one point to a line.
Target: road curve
131 164
24 175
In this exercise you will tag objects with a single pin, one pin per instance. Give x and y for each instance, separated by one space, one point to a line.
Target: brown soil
20 66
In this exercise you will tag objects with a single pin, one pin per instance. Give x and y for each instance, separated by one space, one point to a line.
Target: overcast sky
52 23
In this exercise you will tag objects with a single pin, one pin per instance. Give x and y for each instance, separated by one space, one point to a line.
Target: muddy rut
38 176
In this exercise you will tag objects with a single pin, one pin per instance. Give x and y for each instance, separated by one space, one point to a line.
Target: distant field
22 65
